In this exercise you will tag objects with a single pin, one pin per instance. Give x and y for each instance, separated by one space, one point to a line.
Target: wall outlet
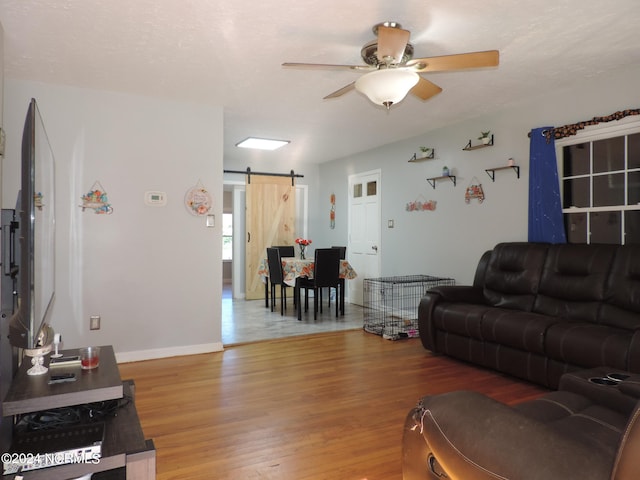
94 322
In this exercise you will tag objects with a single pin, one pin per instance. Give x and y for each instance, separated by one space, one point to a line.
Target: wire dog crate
391 304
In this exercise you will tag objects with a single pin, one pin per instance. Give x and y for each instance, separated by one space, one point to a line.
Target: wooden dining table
294 268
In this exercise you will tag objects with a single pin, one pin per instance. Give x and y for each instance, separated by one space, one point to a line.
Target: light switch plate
94 322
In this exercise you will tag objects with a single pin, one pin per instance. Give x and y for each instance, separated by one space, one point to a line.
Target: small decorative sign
198 200
332 212
96 199
474 190
421 206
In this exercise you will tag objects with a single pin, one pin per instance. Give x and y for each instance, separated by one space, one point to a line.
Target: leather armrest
622 396
631 386
473 436
425 320
459 293
435 295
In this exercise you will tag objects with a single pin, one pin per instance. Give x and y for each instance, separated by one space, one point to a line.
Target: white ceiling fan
392 70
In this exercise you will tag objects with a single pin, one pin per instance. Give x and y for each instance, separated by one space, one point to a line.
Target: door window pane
372 188
357 190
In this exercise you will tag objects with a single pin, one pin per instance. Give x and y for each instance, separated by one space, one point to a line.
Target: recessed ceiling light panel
262 143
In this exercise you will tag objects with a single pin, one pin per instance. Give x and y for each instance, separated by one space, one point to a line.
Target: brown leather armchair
585 430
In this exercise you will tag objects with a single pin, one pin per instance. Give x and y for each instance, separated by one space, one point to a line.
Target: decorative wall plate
198 200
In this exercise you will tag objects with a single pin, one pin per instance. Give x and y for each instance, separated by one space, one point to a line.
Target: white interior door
364 231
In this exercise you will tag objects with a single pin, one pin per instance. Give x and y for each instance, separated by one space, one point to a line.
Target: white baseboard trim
136 356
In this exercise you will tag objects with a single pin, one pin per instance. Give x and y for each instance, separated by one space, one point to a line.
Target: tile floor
246 321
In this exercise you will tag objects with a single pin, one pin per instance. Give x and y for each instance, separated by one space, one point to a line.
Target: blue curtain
545 206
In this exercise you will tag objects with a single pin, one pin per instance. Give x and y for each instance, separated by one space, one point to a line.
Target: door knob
375 248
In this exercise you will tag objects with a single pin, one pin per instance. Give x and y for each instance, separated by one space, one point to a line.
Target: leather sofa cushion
460 318
588 345
473 436
622 299
573 281
513 273
576 416
521 330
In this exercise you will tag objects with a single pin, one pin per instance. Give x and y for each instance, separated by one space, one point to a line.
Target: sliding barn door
270 219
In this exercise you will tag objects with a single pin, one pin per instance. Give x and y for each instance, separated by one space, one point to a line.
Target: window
227 236
600 184
371 189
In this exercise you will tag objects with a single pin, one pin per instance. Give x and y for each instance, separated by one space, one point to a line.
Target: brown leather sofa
537 311
585 430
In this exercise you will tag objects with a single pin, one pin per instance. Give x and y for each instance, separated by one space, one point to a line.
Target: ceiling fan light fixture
387 86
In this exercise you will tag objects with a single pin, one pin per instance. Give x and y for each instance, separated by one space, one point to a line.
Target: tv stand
126 454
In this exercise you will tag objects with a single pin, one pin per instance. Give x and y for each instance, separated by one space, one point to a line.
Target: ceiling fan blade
324 66
425 89
342 91
392 42
461 61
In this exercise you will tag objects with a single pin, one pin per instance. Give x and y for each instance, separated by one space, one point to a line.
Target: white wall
155 274
450 240
152 273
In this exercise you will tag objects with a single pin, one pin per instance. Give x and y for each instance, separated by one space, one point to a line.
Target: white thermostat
155 199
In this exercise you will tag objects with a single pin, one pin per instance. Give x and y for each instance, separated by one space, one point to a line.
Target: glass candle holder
89 357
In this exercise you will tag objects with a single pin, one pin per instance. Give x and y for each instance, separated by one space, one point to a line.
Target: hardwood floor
328 406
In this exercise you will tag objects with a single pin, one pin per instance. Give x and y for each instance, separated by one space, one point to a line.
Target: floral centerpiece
303 242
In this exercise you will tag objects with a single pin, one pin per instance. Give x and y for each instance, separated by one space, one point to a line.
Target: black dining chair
286 250
326 273
343 251
276 277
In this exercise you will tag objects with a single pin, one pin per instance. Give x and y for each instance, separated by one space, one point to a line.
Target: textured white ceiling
230 54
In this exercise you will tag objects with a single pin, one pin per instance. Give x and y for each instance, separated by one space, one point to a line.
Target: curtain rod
248 173
572 129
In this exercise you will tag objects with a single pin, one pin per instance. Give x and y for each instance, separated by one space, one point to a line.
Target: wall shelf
416 158
492 171
482 145
432 180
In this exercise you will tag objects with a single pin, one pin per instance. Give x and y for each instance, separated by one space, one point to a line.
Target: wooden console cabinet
126 454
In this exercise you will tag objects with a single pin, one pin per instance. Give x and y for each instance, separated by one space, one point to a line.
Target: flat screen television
29 326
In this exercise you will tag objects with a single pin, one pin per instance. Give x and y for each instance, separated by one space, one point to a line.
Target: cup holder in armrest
618 377
604 381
